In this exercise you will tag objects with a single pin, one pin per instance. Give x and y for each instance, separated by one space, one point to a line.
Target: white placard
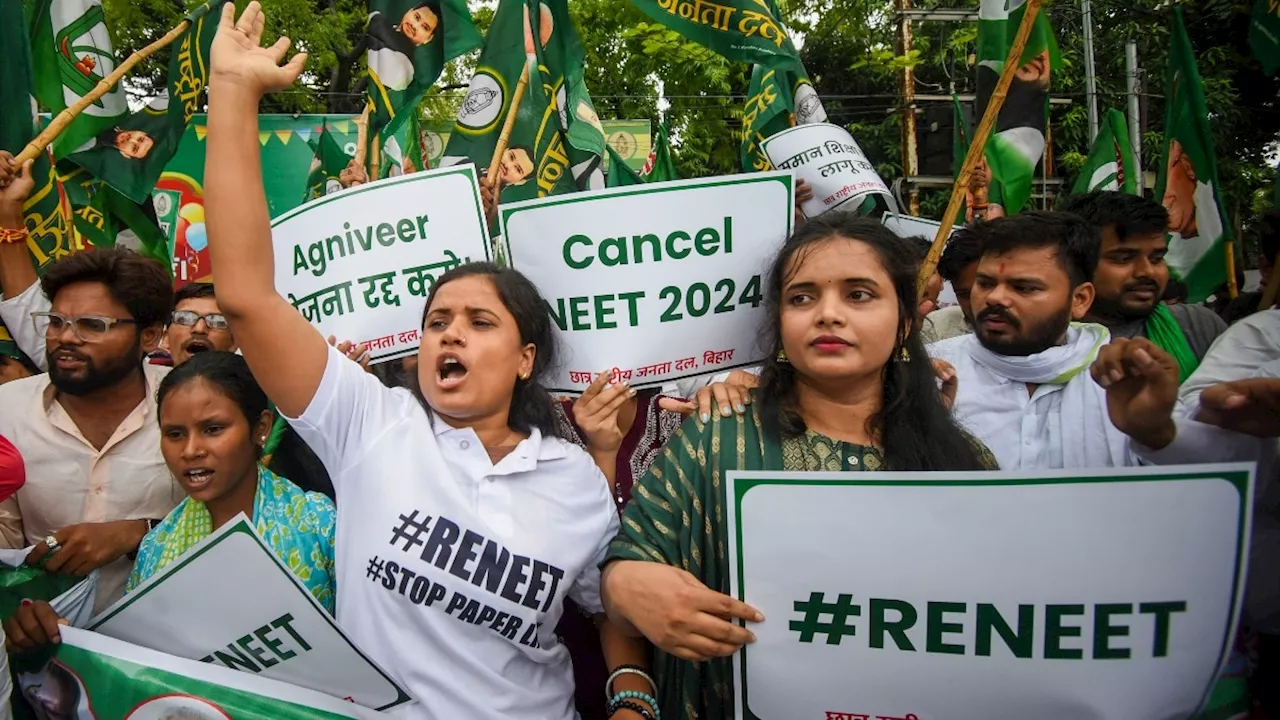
359 264
658 282
229 601
828 158
910 226
1111 595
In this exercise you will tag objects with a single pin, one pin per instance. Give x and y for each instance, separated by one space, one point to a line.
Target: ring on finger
52 543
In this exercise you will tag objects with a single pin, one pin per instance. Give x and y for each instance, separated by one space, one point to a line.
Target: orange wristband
8 235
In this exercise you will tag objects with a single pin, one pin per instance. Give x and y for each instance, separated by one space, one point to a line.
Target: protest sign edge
240 525
1242 476
764 148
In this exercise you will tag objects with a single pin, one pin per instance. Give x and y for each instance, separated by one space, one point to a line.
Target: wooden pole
375 159
507 124
1232 291
362 135
977 146
104 86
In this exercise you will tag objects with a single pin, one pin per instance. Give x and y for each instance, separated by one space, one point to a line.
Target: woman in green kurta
847 387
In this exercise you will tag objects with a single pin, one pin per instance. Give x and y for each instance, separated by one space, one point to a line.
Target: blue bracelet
633 695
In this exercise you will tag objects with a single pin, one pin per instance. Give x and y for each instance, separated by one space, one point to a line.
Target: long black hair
914 428
531 404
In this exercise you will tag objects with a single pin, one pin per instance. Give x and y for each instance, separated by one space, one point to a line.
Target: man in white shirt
87 431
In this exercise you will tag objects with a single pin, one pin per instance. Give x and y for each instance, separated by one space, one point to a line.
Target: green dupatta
677 517
1163 330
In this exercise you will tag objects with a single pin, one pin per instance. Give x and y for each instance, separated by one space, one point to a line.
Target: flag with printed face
328 164
1188 179
72 53
131 154
409 43
1016 146
659 166
556 142
776 100
741 30
103 217
1111 165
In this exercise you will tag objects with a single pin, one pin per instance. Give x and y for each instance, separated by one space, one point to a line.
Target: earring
904 355
782 356
524 376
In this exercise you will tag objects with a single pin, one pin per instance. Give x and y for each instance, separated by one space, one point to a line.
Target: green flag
1111 165
72 53
659 167
620 175
102 215
130 155
409 43
1264 34
1188 181
1017 143
741 30
556 142
776 100
329 162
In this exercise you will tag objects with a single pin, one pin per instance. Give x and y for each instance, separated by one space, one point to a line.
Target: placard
230 602
360 263
656 282
910 226
1111 595
828 158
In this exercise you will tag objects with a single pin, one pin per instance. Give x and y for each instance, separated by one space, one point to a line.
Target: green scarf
1163 330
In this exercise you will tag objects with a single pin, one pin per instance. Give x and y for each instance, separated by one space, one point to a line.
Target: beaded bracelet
633 707
627 670
626 696
10 235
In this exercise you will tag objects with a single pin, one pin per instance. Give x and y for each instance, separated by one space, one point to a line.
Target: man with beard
87 431
1024 386
1132 276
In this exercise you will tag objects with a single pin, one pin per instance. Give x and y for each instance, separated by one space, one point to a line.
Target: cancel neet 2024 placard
1056 595
656 282
360 263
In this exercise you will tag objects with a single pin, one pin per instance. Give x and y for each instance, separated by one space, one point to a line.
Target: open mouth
450 371
196 346
197 478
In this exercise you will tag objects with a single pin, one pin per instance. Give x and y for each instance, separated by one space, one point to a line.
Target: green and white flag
1111 165
1188 181
776 100
328 164
659 166
94 677
557 142
1264 34
1017 144
741 30
620 174
409 43
73 53
131 154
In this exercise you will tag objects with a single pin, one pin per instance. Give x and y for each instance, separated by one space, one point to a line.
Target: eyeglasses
89 328
188 318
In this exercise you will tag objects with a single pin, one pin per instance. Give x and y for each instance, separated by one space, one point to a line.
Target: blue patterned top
298 526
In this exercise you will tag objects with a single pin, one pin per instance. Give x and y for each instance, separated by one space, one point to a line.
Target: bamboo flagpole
362 136
1229 247
375 158
104 86
495 164
978 145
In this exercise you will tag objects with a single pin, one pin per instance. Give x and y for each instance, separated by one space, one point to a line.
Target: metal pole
1131 78
1090 74
907 82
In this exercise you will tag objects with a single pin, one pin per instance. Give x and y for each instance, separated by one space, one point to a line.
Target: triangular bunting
284 135
264 136
304 133
342 126
201 131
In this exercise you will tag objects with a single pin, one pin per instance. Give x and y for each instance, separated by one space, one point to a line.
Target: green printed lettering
1019 643
1162 611
386 235
707 242
264 636
316 255
234 657
422 227
557 313
366 241
936 626
603 312
879 626
351 246
631 298
1103 631
568 252
619 258
1055 631
299 260
258 653
578 311
336 241
637 247
672 250
285 621
728 235
404 229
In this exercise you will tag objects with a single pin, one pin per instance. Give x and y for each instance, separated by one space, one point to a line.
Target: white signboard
910 226
656 282
229 601
359 264
1111 595
827 157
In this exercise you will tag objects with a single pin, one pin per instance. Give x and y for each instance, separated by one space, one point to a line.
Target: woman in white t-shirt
463 523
